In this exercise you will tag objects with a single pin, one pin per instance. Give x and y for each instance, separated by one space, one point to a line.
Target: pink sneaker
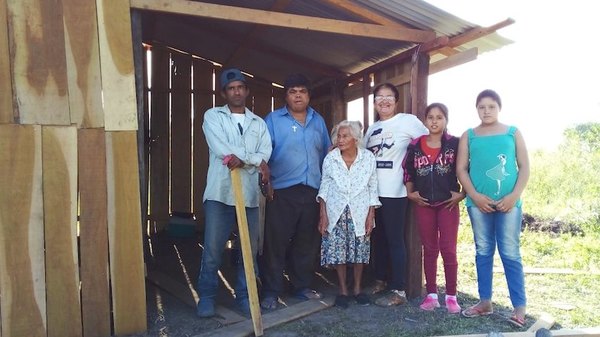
429 303
452 306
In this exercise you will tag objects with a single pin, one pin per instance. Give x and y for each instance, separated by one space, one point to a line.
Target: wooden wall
70 222
182 88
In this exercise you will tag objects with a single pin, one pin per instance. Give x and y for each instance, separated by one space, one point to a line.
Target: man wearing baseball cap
237 139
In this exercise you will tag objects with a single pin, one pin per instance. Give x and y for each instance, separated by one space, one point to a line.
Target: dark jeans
290 228
387 242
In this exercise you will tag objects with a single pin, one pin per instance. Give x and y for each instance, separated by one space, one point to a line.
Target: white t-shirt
388 140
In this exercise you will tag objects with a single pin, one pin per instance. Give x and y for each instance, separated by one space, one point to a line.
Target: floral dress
342 246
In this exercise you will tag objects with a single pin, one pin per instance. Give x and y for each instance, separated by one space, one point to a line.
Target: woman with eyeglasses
388 139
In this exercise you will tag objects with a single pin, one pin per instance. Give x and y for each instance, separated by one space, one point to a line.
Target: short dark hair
443 108
296 80
490 94
389 86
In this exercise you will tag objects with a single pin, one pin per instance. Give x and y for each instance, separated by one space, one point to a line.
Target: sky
548 78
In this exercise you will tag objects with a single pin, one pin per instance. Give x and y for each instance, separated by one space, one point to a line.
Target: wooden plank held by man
240 210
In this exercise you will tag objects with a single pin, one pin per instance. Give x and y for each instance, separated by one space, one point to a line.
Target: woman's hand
483 202
417 198
454 200
323 223
507 203
370 222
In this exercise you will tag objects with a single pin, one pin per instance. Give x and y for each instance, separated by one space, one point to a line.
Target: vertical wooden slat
181 133
278 97
159 139
83 63
124 232
116 65
418 102
6 105
203 100
262 98
38 64
22 277
59 158
93 233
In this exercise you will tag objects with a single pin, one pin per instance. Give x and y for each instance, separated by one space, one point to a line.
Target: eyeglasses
380 98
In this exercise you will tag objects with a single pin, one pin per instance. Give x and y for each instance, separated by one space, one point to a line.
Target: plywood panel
124 233
159 140
59 162
22 278
116 64
93 233
83 63
38 64
203 100
6 107
181 133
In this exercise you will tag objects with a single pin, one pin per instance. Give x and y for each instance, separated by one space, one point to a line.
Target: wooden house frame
74 146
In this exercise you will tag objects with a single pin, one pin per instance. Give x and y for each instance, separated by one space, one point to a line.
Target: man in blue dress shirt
300 142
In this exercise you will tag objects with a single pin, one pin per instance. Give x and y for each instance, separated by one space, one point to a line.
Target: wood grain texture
93 233
59 161
116 64
124 233
159 140
181 135
38 64
22 277
6 103
83 63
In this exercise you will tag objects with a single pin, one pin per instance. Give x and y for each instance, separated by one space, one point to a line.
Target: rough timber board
59 162
93 233
22 278
583 332
6 107
38 64
116 64
124 232
83 63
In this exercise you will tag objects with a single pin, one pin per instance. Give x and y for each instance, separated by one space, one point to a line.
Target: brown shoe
394 297
378 287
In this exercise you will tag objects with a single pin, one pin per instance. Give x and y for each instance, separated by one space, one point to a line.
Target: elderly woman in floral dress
348 198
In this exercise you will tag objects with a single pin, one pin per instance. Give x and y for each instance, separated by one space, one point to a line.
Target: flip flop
475 311
308 294
269 303
516 321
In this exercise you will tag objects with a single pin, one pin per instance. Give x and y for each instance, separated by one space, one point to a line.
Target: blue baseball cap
231 75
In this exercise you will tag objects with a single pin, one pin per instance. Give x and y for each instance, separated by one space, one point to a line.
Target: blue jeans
220 220
503 229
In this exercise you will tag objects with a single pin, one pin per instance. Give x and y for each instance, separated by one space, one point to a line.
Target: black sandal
362 299
342 301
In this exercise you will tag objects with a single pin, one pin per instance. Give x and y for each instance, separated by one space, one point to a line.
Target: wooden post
240 210
418 102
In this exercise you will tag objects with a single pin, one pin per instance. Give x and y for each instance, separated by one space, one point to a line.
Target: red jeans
438 228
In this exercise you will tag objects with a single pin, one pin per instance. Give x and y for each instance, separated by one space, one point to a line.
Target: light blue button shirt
298 150
224 137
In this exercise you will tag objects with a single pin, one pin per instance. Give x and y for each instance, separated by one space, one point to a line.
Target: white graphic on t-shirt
498 172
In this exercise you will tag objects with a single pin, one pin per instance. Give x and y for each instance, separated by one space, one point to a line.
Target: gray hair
355 128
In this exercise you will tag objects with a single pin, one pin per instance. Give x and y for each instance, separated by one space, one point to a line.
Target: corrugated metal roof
272 52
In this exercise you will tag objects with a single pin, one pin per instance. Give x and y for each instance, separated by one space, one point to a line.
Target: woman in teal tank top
493 168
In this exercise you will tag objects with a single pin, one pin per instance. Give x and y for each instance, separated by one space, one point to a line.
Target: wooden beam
309 23
83 63
453 61
477 33
59 157
365 13
6 93
38 63
93 233
124 232
22 270
116 65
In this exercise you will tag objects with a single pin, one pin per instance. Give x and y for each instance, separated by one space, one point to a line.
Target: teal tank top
493 164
